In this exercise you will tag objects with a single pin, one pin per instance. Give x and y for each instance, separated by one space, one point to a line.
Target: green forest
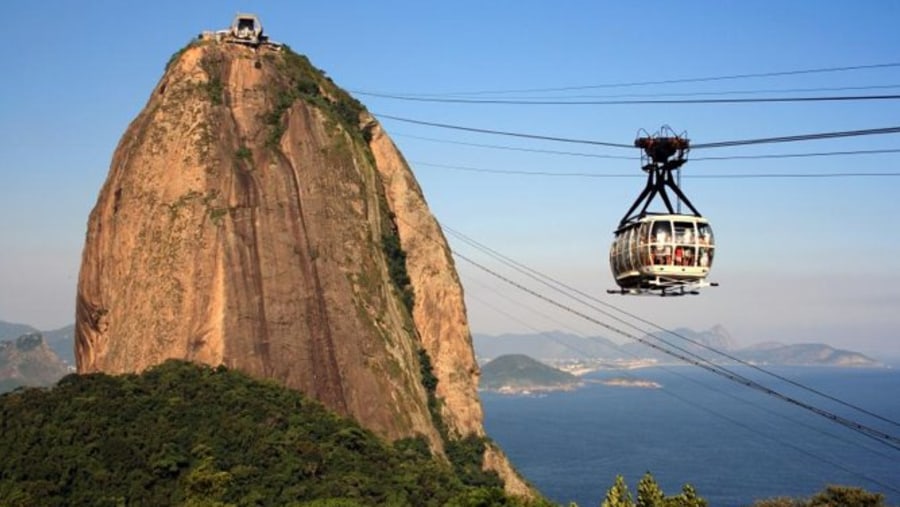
185 434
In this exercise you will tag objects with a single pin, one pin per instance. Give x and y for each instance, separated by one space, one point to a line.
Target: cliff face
251 218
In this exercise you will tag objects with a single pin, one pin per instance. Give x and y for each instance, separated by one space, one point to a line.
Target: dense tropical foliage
649 494
183 434
831 496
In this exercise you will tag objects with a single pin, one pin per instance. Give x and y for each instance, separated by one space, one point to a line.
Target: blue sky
799 260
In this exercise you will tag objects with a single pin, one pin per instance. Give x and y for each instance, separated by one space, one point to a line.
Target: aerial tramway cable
628 157
500 132
800 137
876 435
514 172
630 84
621 102
568 290
692 358
657 95
692 403
717 144
872 433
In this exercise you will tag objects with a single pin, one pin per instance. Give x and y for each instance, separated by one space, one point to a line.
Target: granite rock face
247 220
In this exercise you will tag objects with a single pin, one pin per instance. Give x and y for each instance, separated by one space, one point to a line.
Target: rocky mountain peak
29 341
256 216
28 361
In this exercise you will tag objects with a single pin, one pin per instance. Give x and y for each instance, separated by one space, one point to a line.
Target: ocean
733 444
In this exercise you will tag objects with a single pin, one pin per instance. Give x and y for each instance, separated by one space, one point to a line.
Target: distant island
520 374
631 382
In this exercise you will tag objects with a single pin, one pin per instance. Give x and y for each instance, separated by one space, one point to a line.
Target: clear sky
799 260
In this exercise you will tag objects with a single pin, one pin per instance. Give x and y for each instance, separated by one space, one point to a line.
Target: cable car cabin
658 252
668 253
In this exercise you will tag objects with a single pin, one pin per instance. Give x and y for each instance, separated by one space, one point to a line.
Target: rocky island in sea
631 382
520 374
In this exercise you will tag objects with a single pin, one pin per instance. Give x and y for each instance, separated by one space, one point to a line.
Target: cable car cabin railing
658 249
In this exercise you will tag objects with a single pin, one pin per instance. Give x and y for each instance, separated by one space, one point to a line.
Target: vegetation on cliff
303 81
183 434
466 454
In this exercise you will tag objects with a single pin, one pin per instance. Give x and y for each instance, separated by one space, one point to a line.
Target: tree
618 495
687 498
831 496
649 493
846 496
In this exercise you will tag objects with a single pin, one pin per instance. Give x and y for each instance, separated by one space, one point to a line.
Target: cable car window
684 233
662 231
613 259
626 249
690 258
635 248
621 251
705 258
705 234
646 256
662 249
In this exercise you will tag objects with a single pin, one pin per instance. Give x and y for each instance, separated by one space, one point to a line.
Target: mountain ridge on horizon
60 340
559 345
565 346
28 361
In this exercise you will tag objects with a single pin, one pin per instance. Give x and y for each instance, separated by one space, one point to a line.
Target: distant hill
552 345
517 372
61 341
28 361
11 330
716 337
805 354
558 347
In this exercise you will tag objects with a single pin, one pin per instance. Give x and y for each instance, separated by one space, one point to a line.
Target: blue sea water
733 444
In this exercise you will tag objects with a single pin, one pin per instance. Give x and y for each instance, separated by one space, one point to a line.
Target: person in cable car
704 257
689 256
